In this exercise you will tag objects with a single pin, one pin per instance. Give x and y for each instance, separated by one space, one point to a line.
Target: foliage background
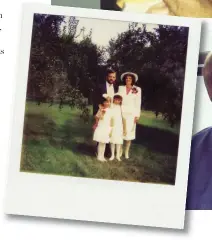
64 69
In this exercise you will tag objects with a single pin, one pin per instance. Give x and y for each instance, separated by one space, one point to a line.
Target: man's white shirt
110 89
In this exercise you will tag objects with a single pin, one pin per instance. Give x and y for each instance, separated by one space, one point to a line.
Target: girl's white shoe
102 159
111 158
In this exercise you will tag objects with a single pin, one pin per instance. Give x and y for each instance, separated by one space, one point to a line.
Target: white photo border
99 200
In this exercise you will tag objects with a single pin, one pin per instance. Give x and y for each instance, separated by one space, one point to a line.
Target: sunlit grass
59 142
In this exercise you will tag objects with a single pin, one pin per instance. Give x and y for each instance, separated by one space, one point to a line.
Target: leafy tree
65 64
62 68
158 57
43 57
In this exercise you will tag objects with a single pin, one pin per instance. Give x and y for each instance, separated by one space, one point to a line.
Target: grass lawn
59 142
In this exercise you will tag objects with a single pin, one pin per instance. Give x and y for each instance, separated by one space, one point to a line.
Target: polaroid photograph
103 116
182 8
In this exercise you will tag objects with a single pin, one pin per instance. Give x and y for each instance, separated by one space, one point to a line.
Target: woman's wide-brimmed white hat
129 73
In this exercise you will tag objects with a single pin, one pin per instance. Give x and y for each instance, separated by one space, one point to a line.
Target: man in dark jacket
109 87
199 195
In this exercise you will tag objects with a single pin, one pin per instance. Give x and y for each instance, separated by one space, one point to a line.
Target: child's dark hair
102 100
118 97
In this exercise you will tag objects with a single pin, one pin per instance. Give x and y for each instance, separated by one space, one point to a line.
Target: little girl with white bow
103 127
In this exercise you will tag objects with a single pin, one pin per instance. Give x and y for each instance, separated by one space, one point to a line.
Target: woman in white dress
131 107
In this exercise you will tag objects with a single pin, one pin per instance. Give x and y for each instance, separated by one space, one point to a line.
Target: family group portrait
104 99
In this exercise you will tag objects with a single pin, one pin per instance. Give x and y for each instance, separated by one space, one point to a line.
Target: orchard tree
158 57
64 63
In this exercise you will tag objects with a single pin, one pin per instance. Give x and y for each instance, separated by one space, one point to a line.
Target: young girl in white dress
103 127
116 139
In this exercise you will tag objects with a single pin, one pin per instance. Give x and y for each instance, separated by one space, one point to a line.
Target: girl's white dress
131 108
102 132
117 125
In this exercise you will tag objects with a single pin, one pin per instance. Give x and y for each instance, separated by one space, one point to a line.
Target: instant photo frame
98 200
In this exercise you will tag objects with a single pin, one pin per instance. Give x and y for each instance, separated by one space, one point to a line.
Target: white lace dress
103 129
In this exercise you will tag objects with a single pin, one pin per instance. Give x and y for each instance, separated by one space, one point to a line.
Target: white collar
108 84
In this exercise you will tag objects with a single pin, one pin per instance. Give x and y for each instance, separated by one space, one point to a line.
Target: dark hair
127 75
109 71
118 97
102 100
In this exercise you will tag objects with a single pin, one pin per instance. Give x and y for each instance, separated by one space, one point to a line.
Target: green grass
59 142
148 119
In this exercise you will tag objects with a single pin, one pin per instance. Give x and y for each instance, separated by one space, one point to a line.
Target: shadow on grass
77 136
38 125
157 140
44 136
